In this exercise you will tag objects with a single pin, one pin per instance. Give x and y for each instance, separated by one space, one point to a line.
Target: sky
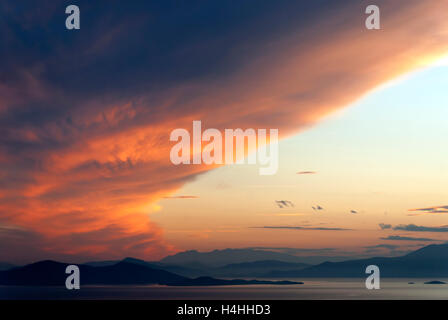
85 119
362 177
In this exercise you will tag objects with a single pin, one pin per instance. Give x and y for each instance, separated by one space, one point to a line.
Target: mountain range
429 261
221 263
197 268
217 258
126 272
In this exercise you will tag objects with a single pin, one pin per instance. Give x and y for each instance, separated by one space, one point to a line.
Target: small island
435 282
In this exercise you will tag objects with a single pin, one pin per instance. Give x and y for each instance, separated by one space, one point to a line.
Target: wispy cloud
307 172
181 197
302 228
385 246
415 228
438 209
401 238
390 248
297 251
284 203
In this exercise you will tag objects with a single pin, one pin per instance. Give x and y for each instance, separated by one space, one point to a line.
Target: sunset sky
86 115
369 164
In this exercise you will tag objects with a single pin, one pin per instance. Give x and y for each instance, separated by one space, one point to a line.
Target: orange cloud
84 179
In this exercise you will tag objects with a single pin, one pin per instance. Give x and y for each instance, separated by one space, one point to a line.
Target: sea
311 289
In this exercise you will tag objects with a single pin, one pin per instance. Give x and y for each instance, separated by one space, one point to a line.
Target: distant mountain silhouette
127 272
185 271
104 263
429 261
243 270
52 273
256 268
6 266
219 258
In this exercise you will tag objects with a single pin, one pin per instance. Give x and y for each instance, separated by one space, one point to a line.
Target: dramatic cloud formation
85 115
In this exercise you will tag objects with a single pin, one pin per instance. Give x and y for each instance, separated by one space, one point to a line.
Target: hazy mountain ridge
244 270
221 263
6 266
429 261
219 258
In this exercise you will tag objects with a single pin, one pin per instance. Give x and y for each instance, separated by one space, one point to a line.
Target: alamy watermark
228 149
72 22
373 280
72 281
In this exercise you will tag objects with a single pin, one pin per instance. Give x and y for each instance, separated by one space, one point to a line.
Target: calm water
312 289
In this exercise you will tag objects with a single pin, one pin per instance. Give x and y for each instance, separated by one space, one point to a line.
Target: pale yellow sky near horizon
380 157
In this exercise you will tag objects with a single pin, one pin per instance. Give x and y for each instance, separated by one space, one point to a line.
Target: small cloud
400 238
306 172
384 226
284 203
181 197
439 209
